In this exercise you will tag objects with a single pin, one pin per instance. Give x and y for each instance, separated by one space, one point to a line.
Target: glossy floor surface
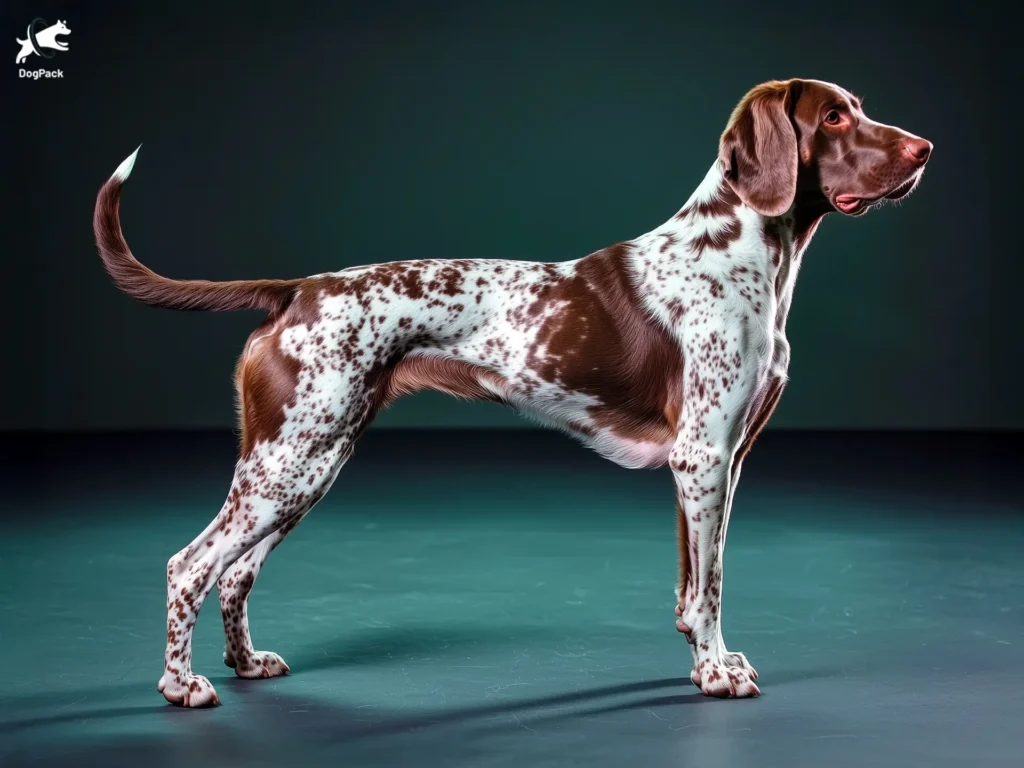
506 599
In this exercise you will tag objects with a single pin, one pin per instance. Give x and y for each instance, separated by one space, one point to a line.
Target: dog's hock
125 168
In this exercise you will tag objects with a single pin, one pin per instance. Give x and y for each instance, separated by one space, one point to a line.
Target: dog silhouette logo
42 40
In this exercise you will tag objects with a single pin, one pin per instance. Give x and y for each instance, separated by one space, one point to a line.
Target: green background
290 140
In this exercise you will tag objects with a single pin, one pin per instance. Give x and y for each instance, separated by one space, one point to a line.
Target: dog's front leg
702 483
711 436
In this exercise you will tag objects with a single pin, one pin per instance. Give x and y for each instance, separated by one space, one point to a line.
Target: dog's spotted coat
667 349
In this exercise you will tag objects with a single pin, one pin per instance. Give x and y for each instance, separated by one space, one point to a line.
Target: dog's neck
714 223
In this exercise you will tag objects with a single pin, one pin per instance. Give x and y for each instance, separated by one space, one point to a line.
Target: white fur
124 170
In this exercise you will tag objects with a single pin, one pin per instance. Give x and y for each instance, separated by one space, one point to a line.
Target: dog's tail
142 283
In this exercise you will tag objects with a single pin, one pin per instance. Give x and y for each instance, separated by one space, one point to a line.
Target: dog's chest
694 279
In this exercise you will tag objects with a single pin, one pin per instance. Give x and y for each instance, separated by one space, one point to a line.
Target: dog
666 349
46 38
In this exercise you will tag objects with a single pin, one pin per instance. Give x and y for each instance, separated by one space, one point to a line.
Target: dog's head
58 29
810 142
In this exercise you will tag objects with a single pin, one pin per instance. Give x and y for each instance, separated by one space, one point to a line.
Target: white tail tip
125 168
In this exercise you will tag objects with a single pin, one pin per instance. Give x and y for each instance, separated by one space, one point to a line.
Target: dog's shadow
382 646
275 720
268 725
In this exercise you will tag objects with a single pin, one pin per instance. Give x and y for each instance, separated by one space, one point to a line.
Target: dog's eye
832 118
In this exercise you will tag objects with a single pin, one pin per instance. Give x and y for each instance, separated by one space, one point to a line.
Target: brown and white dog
666 349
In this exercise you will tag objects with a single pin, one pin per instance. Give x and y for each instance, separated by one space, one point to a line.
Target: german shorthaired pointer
666 349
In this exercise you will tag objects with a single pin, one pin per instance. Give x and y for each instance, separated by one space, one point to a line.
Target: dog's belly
633 454
646 448
629 439
620 437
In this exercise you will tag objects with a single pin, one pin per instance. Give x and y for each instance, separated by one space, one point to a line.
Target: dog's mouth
905 188
852 205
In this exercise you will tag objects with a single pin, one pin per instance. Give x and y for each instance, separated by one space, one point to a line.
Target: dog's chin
854 205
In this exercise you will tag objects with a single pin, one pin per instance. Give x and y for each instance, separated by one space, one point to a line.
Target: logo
41 41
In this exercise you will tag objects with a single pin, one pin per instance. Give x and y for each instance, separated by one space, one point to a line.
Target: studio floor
487 598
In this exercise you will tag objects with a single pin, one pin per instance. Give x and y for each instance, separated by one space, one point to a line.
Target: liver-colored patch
266 378
602 344
266 381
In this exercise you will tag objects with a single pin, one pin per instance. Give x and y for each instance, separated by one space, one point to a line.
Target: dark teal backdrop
286 140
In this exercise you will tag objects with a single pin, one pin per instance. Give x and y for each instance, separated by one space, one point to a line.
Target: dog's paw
258 664
731 660
725 680
739 660
188 691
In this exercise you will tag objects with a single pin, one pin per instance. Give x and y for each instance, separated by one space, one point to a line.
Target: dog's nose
917 150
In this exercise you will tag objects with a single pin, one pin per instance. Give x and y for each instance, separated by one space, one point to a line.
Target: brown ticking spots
717 289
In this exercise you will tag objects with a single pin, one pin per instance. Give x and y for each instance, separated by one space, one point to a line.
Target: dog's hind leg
270 493
234 588
295 438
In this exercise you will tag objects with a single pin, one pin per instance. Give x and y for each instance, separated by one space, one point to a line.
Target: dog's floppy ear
758 150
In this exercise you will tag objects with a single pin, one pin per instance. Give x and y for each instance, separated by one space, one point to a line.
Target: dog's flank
145 285
666 349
